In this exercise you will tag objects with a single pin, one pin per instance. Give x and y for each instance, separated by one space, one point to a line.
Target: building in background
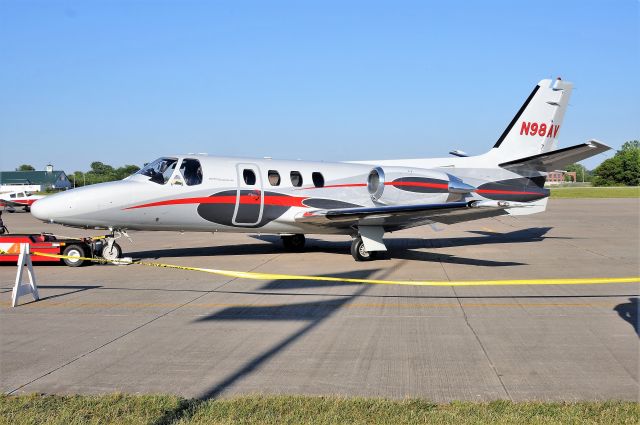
34 181
559 177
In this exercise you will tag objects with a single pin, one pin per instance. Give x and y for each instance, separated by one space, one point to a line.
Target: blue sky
126 82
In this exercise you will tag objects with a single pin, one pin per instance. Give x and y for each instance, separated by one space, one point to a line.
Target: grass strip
596 192
258 409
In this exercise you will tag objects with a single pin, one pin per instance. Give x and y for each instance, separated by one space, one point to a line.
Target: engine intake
413 185
375 183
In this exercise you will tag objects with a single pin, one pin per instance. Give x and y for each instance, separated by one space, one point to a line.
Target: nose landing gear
111 250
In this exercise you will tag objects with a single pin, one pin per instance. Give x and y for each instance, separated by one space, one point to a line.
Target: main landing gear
367 243
293 242
359 251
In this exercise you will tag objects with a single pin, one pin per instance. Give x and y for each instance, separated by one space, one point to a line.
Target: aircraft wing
396 217
9 203
558 159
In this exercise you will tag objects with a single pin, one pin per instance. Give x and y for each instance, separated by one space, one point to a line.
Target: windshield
160 170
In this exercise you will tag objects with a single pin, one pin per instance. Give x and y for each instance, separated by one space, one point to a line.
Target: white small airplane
362 199
19 199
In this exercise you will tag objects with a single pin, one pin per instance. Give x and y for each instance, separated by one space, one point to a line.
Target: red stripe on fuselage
333 186
419 184
283 201
414 184
429 185
26 202
507 192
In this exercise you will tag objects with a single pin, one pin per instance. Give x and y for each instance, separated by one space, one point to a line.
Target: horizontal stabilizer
558 159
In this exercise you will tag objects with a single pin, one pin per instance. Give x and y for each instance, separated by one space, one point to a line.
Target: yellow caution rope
276 276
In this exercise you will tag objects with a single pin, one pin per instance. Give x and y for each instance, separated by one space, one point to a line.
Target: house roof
31 177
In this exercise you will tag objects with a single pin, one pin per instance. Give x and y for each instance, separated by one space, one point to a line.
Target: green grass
158 409
596 192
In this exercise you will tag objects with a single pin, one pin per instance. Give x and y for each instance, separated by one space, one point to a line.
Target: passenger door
249 196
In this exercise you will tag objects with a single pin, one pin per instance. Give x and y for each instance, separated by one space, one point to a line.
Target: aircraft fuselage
264 195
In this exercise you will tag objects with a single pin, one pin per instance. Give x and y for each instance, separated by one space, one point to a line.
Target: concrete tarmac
136 329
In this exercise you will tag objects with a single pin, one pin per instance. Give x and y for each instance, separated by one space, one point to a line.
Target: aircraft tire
27 209
74 251
359 252
293 242
113 254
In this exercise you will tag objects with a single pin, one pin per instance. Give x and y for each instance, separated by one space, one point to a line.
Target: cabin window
296 178
274 178
249 177
191 170
13 195
318 179
160 170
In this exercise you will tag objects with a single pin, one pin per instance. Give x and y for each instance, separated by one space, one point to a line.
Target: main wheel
293 242
359 252
112 253
74 252
27 209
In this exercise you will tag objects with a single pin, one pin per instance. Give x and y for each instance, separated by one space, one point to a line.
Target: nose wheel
111 251
359 252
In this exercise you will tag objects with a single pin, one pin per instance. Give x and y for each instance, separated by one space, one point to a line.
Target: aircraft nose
54 207
43 209
84 206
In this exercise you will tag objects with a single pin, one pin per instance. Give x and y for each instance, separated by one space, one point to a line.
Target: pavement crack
482 347
105 344
475 334
85 354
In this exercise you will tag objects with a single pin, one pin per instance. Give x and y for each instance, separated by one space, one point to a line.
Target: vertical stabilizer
536 126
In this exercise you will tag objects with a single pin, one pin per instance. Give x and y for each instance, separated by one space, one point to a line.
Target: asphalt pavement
104 328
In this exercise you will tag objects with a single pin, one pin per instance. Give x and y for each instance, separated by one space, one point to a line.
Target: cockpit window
160 170
191 171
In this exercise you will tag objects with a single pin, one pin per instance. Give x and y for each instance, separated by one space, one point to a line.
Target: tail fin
534 129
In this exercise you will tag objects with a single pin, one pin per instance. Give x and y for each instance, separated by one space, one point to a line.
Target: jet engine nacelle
401 185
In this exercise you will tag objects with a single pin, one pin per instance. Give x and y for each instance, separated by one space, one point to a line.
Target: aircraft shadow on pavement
312 313
298 311
309 284
397 247
629 313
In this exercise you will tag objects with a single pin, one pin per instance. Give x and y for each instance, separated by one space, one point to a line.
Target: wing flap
403 216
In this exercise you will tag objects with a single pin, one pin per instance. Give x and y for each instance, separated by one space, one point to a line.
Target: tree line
99 173
623 169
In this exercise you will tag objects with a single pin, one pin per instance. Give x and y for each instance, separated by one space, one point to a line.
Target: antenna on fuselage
459 153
